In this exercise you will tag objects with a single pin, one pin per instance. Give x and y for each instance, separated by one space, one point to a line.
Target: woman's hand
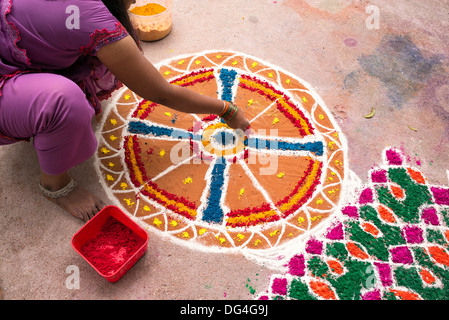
239 121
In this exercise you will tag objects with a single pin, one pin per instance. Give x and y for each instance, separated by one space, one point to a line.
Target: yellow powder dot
319 201
270 75
157 222
127 97
234 62
254 65
280 175
276 120
187 180
321 117
123 185
288 81
168 114
301 220
129 202
113 122
221 239
173 223
257 242
197 62
242 191
181 62
166 73
185 234
250 102
218 56
274 233
240 236
111 165
304 99
112 137
202 231
147 208
315 218
162 153
105 150
109 177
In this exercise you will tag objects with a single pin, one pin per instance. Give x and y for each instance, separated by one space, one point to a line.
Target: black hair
120 12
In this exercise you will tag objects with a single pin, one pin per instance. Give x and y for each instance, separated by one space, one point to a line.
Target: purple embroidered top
36 36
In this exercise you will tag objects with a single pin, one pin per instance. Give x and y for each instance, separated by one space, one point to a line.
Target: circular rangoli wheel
194 179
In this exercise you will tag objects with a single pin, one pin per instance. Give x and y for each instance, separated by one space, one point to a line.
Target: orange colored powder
149 9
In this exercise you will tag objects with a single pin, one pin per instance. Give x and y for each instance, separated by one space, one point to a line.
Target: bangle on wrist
229 112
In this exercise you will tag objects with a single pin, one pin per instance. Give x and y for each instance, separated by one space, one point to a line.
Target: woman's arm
129 65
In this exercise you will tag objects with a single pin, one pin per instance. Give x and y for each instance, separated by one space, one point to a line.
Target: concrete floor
399 68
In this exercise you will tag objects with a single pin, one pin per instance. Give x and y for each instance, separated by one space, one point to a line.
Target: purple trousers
53 111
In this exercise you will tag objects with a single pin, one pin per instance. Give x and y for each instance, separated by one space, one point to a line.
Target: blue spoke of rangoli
213 213
138 127
315 147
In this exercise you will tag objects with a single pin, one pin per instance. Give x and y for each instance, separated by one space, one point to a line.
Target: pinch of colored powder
281 174
181 62
356 251
110 165
187 180
319 201
254 64
202 231
166 73
336 233
297 266
129 202
157 222
109 177
162 153
335 266
242 191
314 246
427 276
257 242
322 289
301 220
123 185
173 223
113 122
274 233
147 208
105 150
234 62
197 62
221 239
305 100
127 97
168 114
276 120
270 75
439 255
185 234
240 236
279 286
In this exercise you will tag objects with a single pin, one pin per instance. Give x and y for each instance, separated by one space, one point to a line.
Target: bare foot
80 203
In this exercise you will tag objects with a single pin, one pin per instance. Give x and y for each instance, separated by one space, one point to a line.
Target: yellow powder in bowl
149 9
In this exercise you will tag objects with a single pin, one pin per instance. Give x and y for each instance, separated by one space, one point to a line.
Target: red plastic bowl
94 225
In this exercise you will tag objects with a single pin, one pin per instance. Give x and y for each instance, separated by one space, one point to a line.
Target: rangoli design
193 179
391 243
